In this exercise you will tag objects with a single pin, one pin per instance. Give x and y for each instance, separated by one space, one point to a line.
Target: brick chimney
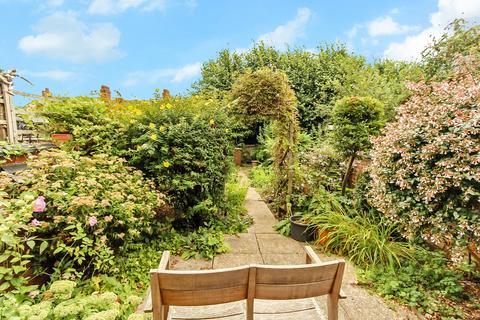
46 93
166 94
105 93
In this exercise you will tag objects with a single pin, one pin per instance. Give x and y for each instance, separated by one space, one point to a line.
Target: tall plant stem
348 173
290 170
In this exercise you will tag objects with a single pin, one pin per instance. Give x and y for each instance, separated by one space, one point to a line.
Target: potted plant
14 153
301 231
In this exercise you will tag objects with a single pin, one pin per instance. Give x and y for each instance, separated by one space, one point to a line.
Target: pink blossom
92 221
39 204
35 222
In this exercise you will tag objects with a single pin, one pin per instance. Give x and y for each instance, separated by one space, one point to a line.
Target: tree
266 94
459 40
355 120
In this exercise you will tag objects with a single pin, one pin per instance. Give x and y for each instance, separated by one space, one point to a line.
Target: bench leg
250 309
332 306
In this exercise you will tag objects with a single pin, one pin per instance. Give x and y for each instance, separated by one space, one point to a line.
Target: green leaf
43 246
31 244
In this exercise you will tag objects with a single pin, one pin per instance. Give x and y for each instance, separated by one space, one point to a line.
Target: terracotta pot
16 159
323 237
237 157
59 138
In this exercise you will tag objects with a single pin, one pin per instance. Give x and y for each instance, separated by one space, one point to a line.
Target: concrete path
263 245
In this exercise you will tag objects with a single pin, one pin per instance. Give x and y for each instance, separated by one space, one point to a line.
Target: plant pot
322 237
237 157
255 163
59 138
301 231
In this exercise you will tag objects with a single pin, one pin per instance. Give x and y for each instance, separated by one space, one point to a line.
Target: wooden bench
207 287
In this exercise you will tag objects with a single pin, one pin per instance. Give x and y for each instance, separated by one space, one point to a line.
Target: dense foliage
426 168
426 283
85 211
185 146
318 79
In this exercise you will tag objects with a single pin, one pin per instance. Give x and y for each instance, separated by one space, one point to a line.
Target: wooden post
6 80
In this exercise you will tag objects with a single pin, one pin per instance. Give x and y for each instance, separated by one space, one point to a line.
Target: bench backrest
196 288
297 281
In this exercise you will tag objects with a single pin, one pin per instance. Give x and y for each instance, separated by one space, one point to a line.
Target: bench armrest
312 257
164 265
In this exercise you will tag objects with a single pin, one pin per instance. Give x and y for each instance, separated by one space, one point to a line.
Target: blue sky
135 46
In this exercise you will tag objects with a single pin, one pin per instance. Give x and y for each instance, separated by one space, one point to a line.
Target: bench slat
296 274
203 297
203 280
295 291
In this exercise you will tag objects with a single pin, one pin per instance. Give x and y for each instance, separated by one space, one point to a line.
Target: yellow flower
162 128
169 106
212 122
153 136
162 107
138 112
132 121
166 164
151 125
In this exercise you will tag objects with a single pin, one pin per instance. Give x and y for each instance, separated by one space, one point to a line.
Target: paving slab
261 228
229 260
252 194
276 243
283 258
243 243
178 263
227 311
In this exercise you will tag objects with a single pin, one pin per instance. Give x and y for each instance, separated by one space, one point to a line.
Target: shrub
367 243
63 301
355 119
86 211
425 282
426 168
185 146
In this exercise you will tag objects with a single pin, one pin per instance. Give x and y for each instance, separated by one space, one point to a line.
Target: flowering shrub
81 211
184 144
426 168
61 301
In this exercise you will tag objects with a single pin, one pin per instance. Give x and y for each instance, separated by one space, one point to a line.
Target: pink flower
92 221
35 222
39 204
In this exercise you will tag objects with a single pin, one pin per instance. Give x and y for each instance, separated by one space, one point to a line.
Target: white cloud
286 34
412 46
174 75
109 7
55 3
61 35
384 26
51 74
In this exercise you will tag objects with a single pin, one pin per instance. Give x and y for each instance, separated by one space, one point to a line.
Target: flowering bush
184 144
81 211
63 301
426 168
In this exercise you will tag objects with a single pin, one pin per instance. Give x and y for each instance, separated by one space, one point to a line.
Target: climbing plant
266 94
